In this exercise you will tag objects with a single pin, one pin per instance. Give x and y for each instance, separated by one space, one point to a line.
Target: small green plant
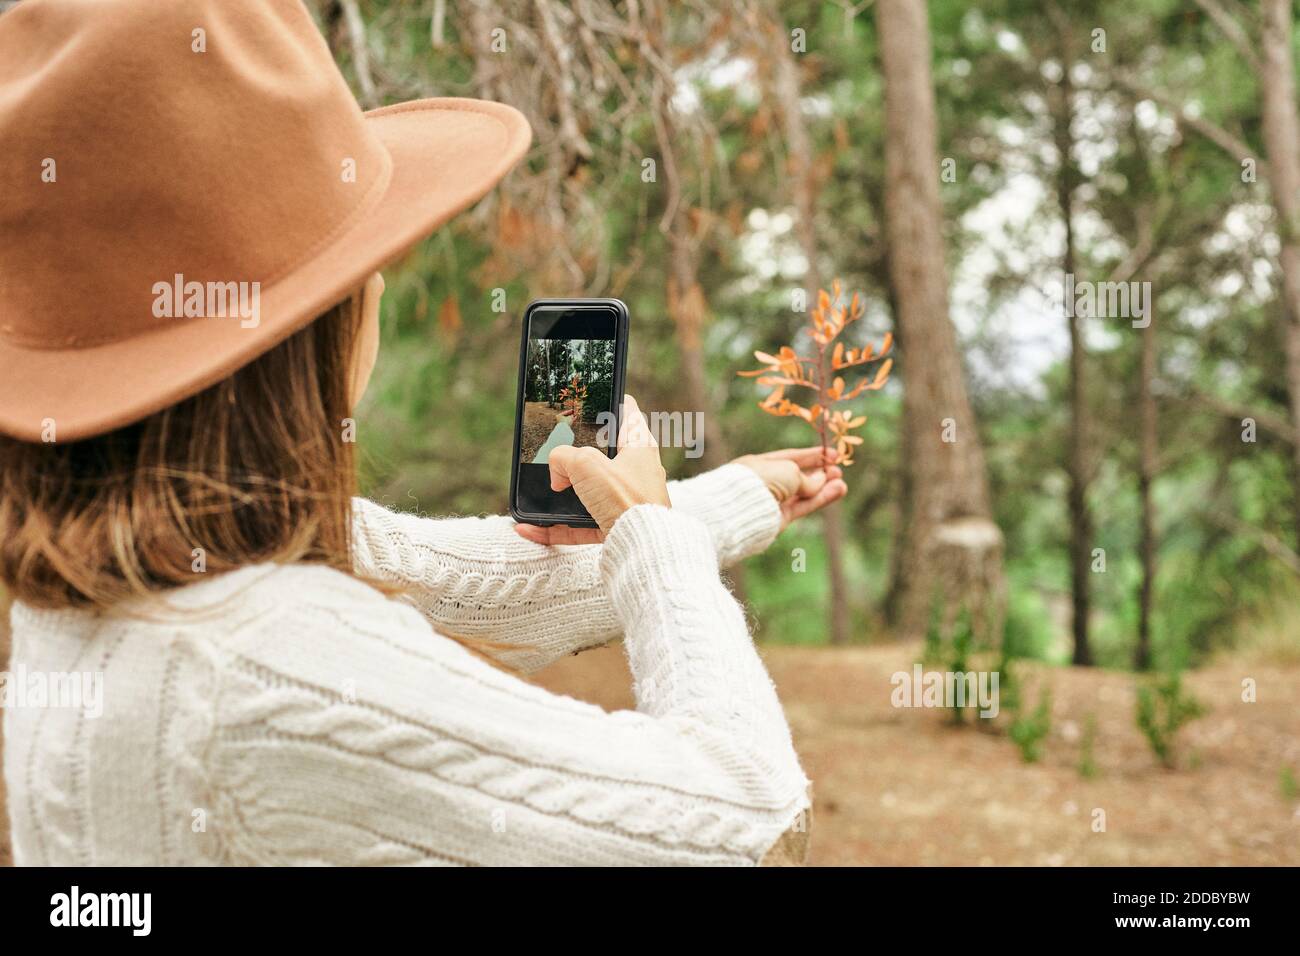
572 397
951 654
1290 788
1087 760
1008 685
1163 708
1028 731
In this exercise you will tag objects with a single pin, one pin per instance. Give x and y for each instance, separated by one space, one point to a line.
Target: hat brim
447 153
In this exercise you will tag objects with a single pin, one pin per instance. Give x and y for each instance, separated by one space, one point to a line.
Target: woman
290 674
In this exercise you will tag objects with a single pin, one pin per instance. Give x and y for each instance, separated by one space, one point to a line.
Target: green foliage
1027 632
1029 730
951 651
1163 708
435 430
1087 744
598 373
1009 695
1288 784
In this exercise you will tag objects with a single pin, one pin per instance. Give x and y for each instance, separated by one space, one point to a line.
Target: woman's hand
802 480
606 486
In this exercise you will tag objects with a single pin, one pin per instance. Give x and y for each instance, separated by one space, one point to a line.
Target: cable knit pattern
294 715
475 577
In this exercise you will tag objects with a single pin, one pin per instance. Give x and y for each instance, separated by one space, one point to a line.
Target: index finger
812 457
559 534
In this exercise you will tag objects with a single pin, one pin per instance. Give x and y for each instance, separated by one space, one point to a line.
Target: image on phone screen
570 383
568 391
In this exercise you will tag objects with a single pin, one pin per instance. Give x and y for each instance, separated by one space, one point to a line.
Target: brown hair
253 469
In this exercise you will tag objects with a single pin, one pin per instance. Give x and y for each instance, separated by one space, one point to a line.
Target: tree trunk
953 552
1282 144
839 620
1147 457
686 307
686 304
1078 465
804 188
893 603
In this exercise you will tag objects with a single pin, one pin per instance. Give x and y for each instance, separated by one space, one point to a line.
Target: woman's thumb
633 429
561 461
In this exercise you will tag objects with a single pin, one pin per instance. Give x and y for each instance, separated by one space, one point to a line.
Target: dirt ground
540 419
586 433
900 786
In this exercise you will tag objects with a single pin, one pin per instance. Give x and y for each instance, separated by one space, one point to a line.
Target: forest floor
540 421
901 786
896 786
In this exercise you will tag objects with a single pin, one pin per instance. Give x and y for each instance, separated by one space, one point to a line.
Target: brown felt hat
185 184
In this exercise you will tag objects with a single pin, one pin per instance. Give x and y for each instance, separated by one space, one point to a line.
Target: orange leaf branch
788 369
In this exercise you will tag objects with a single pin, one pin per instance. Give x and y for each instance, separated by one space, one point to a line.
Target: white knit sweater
292 714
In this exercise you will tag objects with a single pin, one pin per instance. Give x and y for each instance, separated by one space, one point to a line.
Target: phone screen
570 386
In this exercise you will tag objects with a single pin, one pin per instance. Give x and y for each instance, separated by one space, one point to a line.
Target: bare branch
1150 218
1276 425
360 52
1273 545
438 25
602 63
1230 144
485 64
1141 252
664 135
851 11
1233 30
575 144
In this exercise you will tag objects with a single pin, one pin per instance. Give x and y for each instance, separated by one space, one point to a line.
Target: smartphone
571 365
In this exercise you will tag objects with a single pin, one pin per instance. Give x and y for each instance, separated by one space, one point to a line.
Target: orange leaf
449 321
786 368
882 374
856 390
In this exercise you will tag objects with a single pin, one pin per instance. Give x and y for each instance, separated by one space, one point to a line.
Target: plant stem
821 397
